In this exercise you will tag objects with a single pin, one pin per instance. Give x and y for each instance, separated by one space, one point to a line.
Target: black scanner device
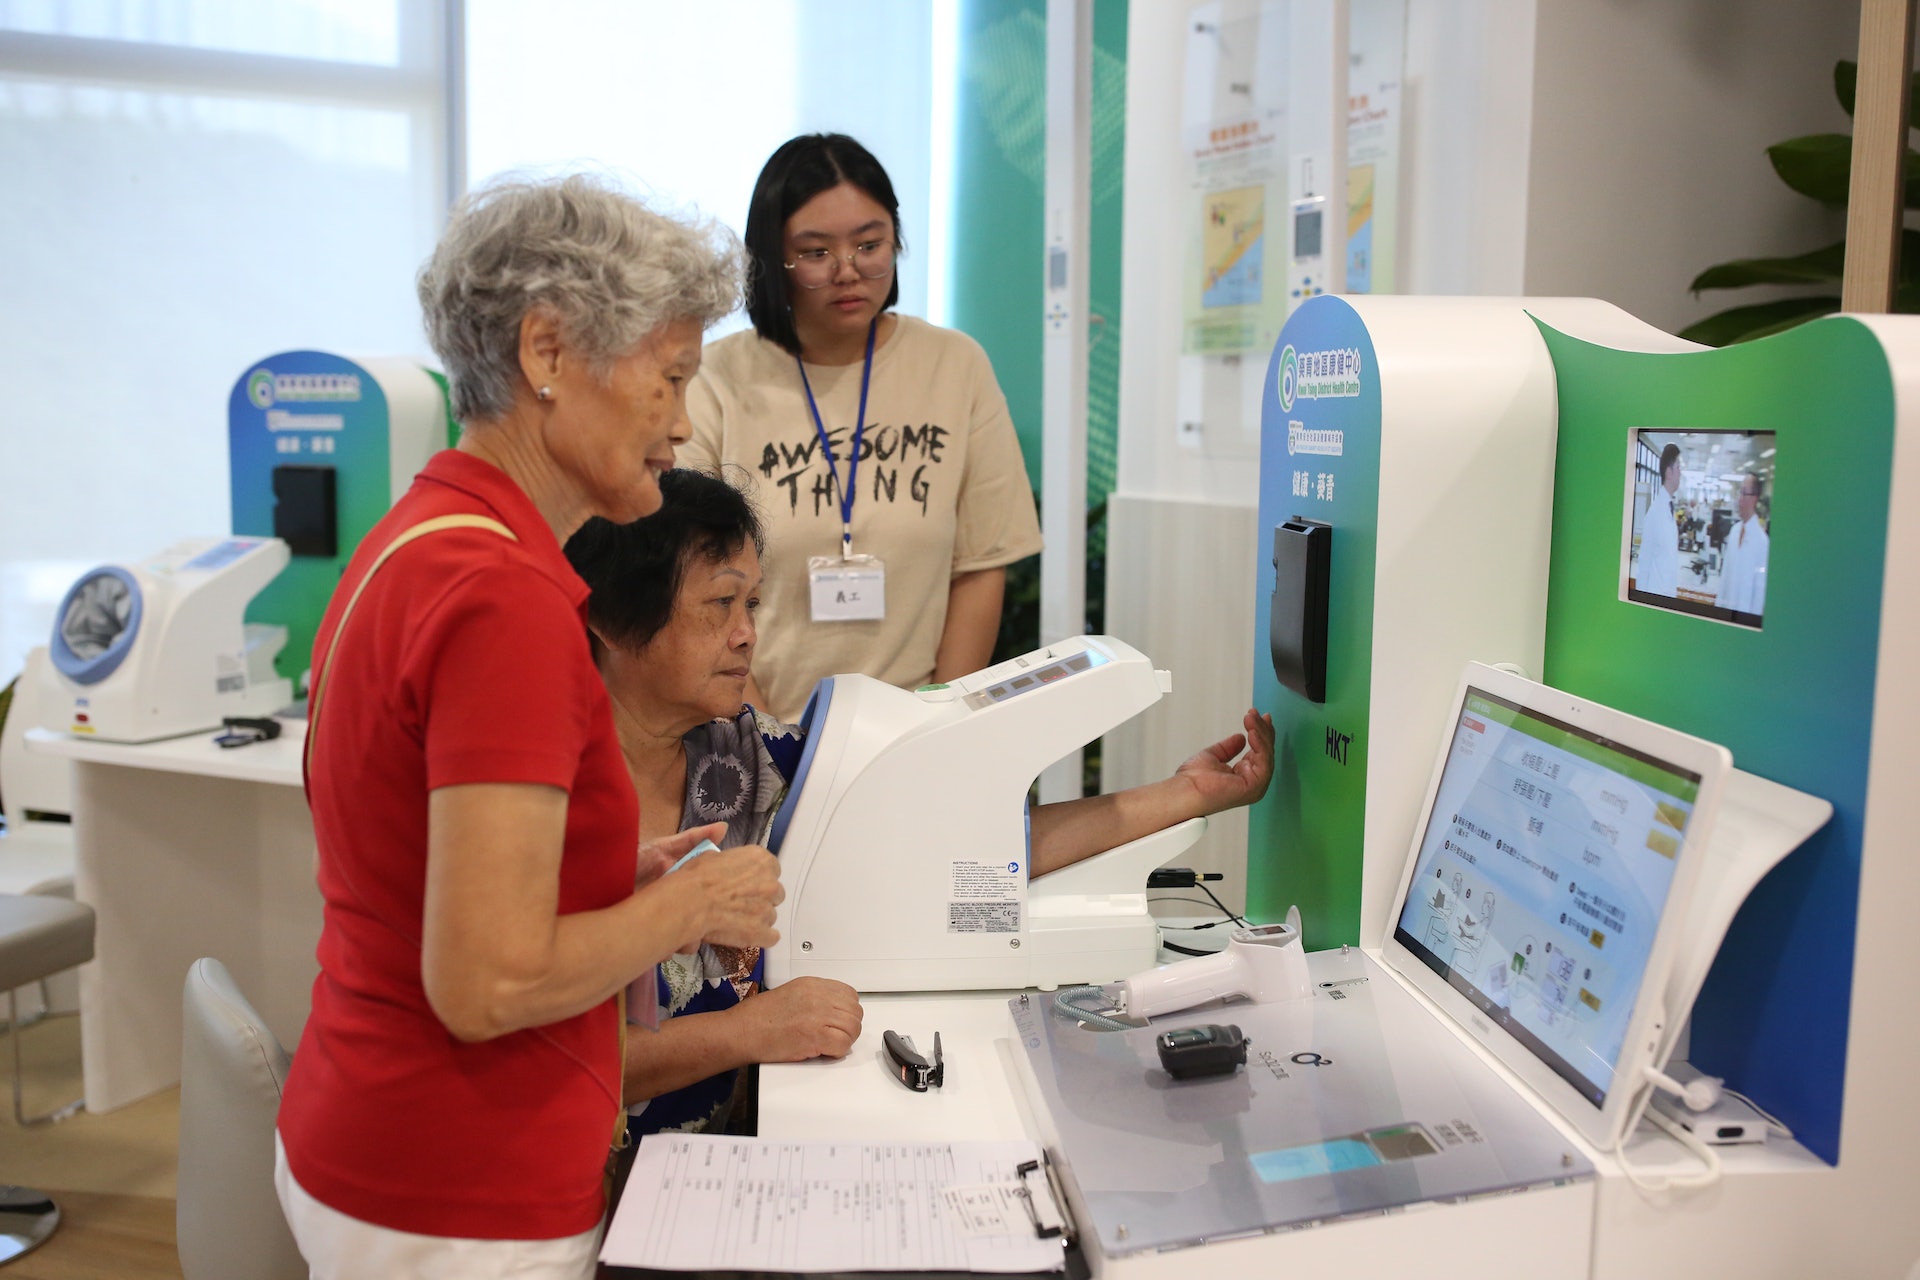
1297 614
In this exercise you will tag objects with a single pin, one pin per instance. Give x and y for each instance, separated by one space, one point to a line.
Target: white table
184 849
1543 1235
859 1098
1573 1232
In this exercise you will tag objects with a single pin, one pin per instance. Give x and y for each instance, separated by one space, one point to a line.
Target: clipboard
1046 1201
728 1204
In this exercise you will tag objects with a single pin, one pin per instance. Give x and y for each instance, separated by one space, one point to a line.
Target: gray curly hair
609 267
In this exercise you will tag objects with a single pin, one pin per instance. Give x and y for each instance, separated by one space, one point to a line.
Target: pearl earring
544 393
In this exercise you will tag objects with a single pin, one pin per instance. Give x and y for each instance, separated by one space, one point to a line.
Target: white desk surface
859 1098
276 762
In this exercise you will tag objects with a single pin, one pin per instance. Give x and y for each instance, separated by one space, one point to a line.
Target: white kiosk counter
1528 1235
185 849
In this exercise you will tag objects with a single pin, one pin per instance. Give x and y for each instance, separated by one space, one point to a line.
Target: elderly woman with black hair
457 1084
882 444
673 612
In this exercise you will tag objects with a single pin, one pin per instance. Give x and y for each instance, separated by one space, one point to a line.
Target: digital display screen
1699 523
1038 677
1541 879
1306 232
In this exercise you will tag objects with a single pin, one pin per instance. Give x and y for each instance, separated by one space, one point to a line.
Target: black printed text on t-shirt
884 453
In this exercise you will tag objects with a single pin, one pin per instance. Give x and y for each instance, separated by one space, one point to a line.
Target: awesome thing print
895 464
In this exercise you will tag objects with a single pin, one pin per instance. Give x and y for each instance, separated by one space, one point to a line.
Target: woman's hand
1211 780
735 892
1219 780
799 1019
656 856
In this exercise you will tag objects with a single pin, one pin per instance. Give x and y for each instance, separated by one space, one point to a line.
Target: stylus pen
705 846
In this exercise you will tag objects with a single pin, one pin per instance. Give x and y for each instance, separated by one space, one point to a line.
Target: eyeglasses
816 268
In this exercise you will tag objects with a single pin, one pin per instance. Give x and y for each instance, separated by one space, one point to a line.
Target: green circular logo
1289 374
260 388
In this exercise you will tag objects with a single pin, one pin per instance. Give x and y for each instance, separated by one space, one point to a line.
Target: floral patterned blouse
738 771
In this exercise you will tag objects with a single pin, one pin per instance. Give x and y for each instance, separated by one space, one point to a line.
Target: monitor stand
1758 824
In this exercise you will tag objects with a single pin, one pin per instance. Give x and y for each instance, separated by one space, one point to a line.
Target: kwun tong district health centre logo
1315 375
265 387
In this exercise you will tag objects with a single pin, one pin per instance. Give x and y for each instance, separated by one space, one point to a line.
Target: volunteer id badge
847 589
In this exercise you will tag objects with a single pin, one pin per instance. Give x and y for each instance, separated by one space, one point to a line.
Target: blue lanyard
853 455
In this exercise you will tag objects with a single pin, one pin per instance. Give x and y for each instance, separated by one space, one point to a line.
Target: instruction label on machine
984 897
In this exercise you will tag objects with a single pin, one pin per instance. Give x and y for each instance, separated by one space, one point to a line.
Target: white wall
1650 128
1469 99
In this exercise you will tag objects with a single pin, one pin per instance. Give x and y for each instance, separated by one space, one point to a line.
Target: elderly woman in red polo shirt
454 1093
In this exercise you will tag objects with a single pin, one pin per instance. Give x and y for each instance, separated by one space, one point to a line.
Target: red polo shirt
465 661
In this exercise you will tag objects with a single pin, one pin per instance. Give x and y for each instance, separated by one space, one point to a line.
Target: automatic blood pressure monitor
160 647
903 841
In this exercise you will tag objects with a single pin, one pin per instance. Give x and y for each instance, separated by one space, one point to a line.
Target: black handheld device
1211 1050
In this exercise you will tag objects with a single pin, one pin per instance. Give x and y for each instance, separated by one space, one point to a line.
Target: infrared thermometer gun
1265 964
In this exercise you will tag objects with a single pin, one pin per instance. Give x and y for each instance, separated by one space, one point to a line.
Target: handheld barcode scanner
1264 963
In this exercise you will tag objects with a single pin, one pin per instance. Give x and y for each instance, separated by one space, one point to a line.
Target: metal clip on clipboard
1044 1200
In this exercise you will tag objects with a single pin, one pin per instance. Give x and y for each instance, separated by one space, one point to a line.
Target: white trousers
338 1247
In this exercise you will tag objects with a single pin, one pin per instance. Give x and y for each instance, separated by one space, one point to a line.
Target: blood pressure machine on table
904 841
158 648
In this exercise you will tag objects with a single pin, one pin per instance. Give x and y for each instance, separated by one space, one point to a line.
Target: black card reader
1297 614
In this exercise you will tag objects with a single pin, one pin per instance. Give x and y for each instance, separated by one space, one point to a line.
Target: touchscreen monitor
1698 531
1557 851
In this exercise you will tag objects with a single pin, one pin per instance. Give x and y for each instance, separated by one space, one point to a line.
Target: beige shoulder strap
421 530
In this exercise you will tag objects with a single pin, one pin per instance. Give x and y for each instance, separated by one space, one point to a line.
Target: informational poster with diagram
1377 35
1245 233
1233 247
1233 134
1234 147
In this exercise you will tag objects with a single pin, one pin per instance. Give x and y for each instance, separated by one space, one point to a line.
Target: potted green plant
1817 166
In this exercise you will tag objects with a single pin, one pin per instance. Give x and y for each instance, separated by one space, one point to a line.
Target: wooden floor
113 1176
104 1237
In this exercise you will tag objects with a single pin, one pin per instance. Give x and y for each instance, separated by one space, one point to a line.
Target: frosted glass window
366 31
153 245
687 101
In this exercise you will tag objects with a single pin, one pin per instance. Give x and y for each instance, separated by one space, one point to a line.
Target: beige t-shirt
940 489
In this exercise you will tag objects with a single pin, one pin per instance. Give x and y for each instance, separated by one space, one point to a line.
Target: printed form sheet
699 1202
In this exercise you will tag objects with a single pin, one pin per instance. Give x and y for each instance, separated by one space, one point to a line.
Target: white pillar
1317 133
1063 400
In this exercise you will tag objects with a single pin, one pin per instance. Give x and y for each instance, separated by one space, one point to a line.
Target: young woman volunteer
884 459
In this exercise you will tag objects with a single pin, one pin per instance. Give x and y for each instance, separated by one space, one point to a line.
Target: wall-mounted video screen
1699 522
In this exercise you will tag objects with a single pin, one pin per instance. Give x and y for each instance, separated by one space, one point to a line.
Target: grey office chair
229 1225
39 936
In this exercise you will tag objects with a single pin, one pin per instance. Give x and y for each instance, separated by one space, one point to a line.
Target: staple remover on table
914 1071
